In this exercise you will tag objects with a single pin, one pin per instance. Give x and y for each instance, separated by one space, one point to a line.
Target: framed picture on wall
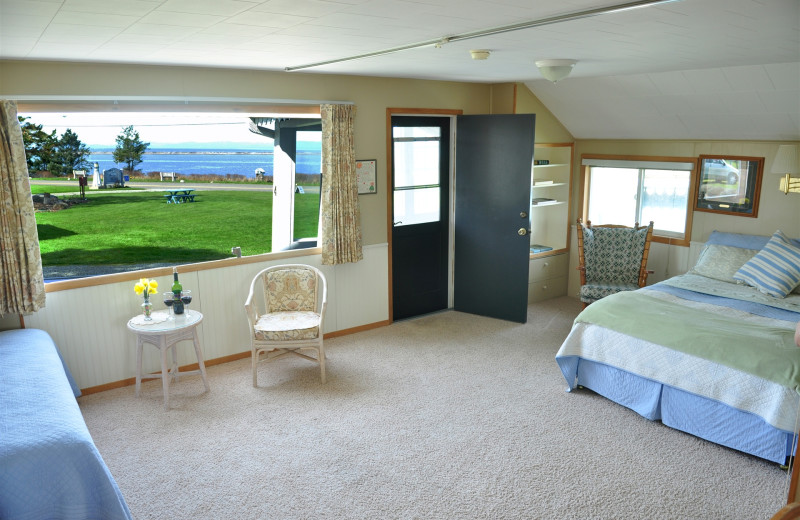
729 184
365 173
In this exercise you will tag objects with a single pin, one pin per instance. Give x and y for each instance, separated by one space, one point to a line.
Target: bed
705 352
49 465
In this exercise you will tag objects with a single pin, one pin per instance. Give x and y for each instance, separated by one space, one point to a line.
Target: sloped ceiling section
755 102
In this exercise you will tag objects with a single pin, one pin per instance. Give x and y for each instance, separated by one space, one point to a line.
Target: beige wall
371 95
503 98
776 210
41 80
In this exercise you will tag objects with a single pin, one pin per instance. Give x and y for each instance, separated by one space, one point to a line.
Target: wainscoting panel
89 323
363 289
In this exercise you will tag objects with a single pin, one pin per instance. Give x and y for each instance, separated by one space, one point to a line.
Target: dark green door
494 158
420 188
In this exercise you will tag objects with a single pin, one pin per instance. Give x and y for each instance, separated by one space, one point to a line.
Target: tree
129 148
70 154
39 145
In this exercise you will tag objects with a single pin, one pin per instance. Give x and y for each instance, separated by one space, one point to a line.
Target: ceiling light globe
555 70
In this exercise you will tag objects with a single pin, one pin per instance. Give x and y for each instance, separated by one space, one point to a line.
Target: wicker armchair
612 258
286 310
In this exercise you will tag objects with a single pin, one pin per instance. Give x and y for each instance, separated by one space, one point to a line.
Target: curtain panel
21 278
340 219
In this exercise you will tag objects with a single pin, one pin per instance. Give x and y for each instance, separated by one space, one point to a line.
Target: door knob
522 232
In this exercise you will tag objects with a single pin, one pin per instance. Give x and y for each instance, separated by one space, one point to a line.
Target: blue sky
159 129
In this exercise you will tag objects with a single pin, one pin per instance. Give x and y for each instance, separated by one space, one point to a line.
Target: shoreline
203 152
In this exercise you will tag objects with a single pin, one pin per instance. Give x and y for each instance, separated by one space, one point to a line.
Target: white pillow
722 262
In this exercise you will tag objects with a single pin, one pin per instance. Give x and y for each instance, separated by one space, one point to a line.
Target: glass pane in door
416 206
416 156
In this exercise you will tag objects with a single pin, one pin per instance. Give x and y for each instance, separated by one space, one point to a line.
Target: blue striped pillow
775 270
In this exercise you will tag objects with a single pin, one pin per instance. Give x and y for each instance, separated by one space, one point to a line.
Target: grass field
41 188
140 227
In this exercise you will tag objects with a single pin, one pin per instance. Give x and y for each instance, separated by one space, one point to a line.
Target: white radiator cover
89 324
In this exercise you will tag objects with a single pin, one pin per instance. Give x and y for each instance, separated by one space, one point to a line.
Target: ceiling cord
438 42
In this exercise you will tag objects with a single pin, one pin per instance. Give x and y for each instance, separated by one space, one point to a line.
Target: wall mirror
729 184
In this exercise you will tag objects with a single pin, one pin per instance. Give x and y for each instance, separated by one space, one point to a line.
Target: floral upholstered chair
286 310
612 258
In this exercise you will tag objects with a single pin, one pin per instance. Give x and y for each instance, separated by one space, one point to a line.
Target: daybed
49 465
700 352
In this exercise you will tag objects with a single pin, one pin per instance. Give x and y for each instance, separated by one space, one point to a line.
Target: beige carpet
449 416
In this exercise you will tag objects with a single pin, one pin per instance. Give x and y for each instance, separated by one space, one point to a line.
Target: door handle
397 223
522 231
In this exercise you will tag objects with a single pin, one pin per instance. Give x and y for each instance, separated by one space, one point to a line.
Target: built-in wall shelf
551 184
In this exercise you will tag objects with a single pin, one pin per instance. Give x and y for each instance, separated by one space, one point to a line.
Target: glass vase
147 309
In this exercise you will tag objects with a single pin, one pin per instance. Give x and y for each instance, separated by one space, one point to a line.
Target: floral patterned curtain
21 278
340 216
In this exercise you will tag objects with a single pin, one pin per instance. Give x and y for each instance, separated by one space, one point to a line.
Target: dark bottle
177 288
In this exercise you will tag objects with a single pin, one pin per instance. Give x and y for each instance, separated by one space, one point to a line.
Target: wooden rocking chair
612 258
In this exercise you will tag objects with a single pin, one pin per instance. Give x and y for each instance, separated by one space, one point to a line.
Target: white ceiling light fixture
479 54
555 70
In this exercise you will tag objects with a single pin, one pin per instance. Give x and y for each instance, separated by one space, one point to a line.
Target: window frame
753 187
663 239
298 248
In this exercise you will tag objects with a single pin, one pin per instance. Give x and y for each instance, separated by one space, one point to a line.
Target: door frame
389 194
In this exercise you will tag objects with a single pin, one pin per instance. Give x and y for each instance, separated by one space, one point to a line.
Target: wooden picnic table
178 196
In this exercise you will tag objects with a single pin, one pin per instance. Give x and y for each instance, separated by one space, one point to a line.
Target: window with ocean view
203 185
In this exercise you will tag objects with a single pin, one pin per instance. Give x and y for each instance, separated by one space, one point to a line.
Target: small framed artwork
729 184
365 173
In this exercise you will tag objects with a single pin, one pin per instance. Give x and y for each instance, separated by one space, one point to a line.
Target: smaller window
625 191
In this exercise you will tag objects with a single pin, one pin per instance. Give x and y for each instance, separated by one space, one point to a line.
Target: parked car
720 171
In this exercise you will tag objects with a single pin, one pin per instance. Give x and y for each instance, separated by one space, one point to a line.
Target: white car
720 171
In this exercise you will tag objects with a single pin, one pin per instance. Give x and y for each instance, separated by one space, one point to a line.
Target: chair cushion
593 292
292 289
613 255
287 325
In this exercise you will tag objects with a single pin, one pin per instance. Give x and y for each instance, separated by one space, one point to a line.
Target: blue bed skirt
691 413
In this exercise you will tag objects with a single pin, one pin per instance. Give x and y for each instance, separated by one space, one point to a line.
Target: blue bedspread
49 465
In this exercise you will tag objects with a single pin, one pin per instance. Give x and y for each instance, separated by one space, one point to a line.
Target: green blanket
766 351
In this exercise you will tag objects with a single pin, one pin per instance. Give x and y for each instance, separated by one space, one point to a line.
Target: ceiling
688 69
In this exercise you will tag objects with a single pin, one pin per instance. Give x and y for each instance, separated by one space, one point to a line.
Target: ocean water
210 162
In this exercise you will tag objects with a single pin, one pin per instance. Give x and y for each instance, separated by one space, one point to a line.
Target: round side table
164 334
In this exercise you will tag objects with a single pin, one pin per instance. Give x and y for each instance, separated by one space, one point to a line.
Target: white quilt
776 404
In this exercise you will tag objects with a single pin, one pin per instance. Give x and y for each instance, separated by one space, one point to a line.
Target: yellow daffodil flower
145 287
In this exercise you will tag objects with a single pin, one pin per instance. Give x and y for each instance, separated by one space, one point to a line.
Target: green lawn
140 227
49 188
